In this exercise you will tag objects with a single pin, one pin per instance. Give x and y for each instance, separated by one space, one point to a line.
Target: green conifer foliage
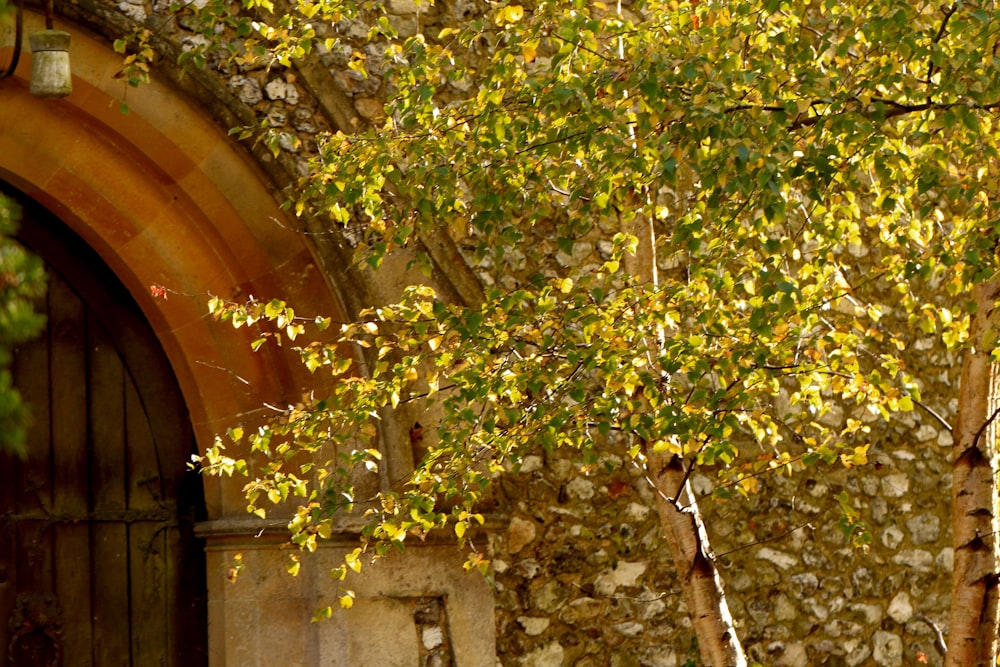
22 284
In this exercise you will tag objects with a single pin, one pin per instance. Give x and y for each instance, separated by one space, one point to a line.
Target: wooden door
98 563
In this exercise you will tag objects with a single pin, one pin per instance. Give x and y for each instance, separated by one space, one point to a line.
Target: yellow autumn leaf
353 560
529 50
510 14
857 457
322 613
749 485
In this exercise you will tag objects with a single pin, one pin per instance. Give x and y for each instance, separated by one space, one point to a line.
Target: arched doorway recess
165 197
97 551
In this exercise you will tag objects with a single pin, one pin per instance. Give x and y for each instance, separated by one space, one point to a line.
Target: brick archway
166 198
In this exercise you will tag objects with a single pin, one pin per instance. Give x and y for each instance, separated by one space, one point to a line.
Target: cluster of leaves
22 284
138 55
803 168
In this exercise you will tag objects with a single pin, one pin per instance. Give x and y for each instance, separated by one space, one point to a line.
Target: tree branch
986 425
901 109
948 12
773 538
894 109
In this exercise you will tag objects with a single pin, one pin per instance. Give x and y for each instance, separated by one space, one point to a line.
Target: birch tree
804 169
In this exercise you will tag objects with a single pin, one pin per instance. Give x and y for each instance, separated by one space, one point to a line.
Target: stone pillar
409 607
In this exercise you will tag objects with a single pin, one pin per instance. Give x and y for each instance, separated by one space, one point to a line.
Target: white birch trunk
973 622
683 526
701 584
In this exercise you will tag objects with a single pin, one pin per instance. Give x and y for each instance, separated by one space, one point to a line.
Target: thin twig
224 370
941 420
939 642
587 49
807 524
931 69
986 425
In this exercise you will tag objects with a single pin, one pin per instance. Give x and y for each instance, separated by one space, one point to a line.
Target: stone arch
166 198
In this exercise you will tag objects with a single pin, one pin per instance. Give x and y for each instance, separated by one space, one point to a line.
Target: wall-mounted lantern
50 75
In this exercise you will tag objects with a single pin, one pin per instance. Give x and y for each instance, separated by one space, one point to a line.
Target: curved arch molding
166 198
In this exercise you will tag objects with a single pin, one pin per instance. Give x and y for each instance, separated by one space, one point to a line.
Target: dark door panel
98 563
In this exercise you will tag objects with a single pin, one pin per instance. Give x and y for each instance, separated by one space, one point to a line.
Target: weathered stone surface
900 609
134 10
637 511
520 533
924 528
863 580
580 488
405 6
760 610
891 537
624 659
550 597
276 117
858 655
581 250
887 649
816 609
650 605
869 613
782 559
793 655
246 89
658 656
432 637
530 464
841 628
281 89
623 574
895 485
917 559
533 625
302 121
629 628
581 609
785 609
406 26
369 108
804 584
548 655
815 559
527 568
